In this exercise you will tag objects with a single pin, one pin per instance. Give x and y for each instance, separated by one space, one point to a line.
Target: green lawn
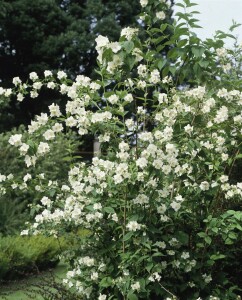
17 290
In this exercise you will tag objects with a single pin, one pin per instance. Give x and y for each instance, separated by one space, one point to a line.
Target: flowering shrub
161 202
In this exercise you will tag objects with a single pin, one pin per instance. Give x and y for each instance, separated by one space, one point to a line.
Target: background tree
41 35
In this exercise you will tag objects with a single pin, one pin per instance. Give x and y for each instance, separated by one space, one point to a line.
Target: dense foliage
161 202
22 255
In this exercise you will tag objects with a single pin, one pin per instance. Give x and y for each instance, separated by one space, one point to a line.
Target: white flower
224 156
162 98
97 206
24 232
102 297
57 127
227 67
49 135
16 81
37 85
27 177
46 201
71 122
154 76
94 276
141 162
141 110
104 138
20 97
54 110
133 226
138 54
61 75
207 278
141 84
224 178
142 70
141 199
47 73
221 52
188 129
161 245
222 115
114 46
118 178
129 32
34 94
33 76
123 146
2 178
185 255
143 3
88 261
7 92
167 79
113 99
204 186
129 98
30 160
146 136
43 148
175 205
15 140
51 85
101 41
135 286
114 217
160 15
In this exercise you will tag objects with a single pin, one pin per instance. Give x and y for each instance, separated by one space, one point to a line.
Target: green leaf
106 282
203 63
149 266
217 256
163 27
128 46
233 236
228 242
161 64
208 240
182 43
180 5
132 296
172 69
109 210
182 237
198 51
128 236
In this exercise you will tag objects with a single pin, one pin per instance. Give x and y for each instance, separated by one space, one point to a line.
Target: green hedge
21 255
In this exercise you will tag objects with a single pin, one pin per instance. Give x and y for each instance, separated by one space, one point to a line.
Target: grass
18 290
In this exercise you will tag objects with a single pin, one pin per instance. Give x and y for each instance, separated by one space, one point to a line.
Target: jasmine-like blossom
160 15
129 32
61 75
15 140
143 3
133 226
135 286
33 76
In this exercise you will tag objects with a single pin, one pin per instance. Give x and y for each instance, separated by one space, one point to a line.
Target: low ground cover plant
161 203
